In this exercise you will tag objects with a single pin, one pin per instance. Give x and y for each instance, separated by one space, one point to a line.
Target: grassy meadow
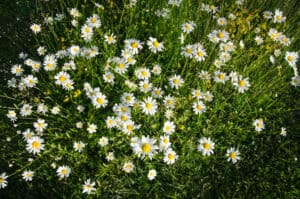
149 99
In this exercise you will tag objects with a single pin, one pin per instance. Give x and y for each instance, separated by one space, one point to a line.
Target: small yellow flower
36 100
77 93
66 99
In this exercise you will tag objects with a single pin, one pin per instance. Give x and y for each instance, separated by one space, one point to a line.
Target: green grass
268 167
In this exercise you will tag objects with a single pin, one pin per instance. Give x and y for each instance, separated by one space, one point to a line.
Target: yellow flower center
220 35
222 76
129 127
62 78
171 156
146 148
1 180
64 171
200 53
176 81
290 58
232 155
242 83
168 128
156 44
206 146
123 109
199 107
134 45
188 50
100 101
35 144
148 105
93 20
144 73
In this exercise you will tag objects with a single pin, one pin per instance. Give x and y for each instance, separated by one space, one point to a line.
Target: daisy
30 81
169 127
151 174
157 92
149 106
128 127
145 147
128 167
12 115
291 58
74 12
94 21
169 113
103 141
268 15
55 110
242 84
259 40
99 100
142 73
92 128
27 134
295 81
128 99
187 51
283 132
154 45
133 45
199 107
40 125
206 146
78 146
233 155
222 21
204 75
68 85
61 77
278 16
27 175
259 124
121 65
108 77
196 93
207 96
199 52
170 102
17 70
110 39
74 51
26 110
145 86
35 145
36 28
188 27
164 142
35 66
170 156
110 156
3 181
176 81
88 187
220 77
63 171
156 70
42 108
50 63
87 32
110 122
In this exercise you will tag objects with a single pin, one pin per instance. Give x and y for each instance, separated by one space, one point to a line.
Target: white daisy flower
220 77
61 77
233 155
94 21
154 45
3 181
169 127
74 50
99 100
40 125
149 106
291 58
222 21
278 16
128 167
295 81
110 156
36 28
142 73
164 142
133 45
145 147
26 110
188 27
87 32
145 86
78 146
50 62
110 39
176 81
92 128
111 122
89 187
108 77
199 107
103 141
170 156
242 84
12 115
27 175
35 145
259 124
128 99
17 70
55 110
30 81
63 171
156 70
206 146
151 174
